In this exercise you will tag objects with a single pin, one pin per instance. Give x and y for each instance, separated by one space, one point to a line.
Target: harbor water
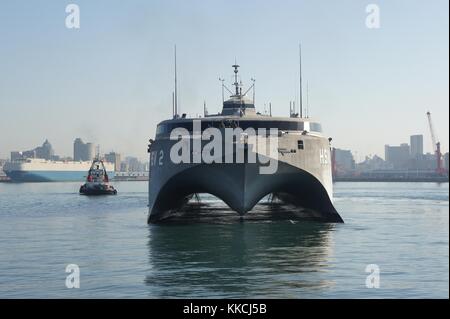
401 229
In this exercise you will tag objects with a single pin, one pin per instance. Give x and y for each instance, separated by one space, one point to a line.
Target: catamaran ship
303 175
42 170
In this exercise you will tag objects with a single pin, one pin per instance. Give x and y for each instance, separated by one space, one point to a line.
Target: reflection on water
230 260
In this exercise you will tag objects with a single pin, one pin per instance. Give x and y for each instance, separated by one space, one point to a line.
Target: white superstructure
41 170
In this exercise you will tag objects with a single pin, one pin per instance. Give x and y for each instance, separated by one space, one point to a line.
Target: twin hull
303 178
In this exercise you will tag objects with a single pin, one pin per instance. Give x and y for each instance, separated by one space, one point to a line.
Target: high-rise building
416 142
114 157
132 164
78 149
2 173
83 151
90 151
446 161
45 152
397 156
124 167
16 156
372 163
344 160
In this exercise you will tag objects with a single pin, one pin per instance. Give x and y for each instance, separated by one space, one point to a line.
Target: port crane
436 147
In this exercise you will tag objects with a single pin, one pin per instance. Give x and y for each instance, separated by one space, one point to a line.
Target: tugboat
97 181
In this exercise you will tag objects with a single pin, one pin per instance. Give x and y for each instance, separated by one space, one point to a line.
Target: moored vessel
42 170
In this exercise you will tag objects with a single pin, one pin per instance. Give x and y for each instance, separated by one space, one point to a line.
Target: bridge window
166 128
315 127
300 145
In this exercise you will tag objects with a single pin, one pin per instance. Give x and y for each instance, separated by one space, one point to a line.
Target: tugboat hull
97 190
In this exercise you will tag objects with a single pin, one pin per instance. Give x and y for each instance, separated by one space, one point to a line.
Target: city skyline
414 149
111 81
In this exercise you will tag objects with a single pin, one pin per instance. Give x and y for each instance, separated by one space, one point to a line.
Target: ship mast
175 75
300 84
236 83
307 100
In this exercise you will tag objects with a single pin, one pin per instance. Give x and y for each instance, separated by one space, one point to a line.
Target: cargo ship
42 170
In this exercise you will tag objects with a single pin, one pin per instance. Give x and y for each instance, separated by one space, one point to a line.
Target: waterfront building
397 156
113 157
83 151
344 161
416 149
44 152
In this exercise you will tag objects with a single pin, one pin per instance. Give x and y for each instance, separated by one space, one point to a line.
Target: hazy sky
110 81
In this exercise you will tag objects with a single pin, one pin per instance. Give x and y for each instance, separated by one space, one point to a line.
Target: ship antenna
300 65
307 100
176 96
223 89
173 104
236 83
253 80
205 110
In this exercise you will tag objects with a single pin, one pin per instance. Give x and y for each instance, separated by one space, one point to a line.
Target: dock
131 176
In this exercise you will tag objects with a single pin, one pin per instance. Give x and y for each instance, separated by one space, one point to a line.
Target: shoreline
393 180
336 180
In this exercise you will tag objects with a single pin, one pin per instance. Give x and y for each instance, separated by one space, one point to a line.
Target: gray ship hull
302 180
